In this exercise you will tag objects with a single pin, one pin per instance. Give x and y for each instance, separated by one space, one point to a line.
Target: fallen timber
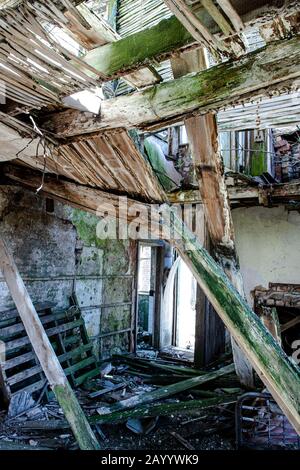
268 70
165 392
280 374
145 411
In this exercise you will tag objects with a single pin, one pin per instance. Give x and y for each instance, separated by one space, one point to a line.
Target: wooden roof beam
260 73
166 38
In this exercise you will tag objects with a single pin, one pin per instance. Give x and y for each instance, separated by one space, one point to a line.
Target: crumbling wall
268 244
58 253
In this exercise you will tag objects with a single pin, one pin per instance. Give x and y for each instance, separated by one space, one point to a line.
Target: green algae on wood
165 392
256 74
140 48
280 374
75 416
145 411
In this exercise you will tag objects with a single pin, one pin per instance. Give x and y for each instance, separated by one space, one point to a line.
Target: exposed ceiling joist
274 67
169 36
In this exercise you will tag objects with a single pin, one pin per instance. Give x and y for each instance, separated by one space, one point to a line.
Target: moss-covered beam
162 40
275 66
280 374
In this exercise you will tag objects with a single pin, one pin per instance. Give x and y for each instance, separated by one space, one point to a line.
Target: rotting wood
195 27
45 353
100 33
280 375
90 199
232 14
107 161
79 196
165 391
203 137
145 411
163 40
217 15
256 74
270 319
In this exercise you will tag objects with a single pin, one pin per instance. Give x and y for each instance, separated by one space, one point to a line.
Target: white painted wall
268 245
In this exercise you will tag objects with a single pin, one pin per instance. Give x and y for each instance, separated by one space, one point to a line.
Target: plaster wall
268 245
58 253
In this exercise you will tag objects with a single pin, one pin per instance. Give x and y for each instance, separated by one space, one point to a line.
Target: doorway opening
185 293
148 294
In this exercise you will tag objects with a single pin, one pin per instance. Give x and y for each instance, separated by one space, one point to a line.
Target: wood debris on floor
155 403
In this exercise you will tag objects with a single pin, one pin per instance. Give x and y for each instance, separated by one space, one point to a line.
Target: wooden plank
280 375
8 331
195 27
162 40
25 374
156 409
32 388
220 19
13 312
100 33
255 75
45 352
80 365
232 14
18 343
165 392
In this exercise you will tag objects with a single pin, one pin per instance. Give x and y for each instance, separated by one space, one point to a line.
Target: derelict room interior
149 225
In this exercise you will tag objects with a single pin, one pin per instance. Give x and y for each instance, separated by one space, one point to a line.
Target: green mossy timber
140 48
163 409
280 374
166 391
76 418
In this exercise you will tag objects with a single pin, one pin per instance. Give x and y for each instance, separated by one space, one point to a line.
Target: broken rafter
195 27
165 392
203 136
232 14
255 75
216 14
164 40
145 411
100 32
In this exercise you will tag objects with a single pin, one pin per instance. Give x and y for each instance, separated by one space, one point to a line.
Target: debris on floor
145 397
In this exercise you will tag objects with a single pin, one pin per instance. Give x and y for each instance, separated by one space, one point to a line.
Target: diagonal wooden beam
257 74
195 27
203 137
44 351
280 374
232 14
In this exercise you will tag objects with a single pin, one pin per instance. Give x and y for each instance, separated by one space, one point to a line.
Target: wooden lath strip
217 16
39 62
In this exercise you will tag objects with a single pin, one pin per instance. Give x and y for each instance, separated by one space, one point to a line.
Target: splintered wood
35 68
